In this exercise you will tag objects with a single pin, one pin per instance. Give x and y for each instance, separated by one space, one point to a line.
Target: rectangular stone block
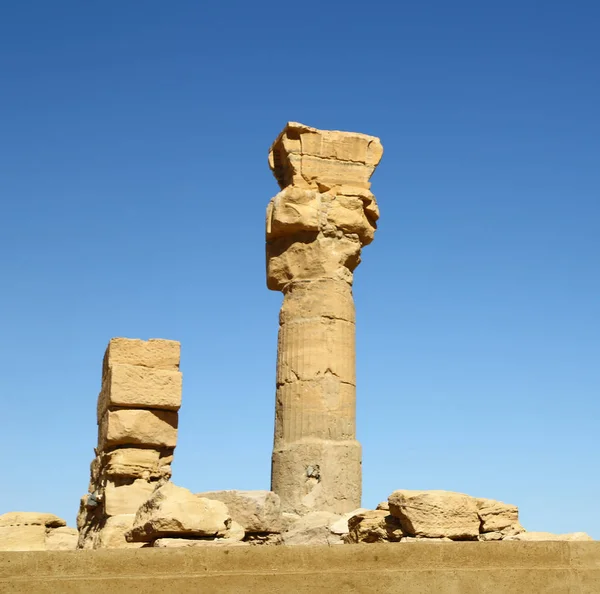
136 462
138 427
156 352
134 386
126 499
23 538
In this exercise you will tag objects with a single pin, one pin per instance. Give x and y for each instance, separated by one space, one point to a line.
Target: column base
317 475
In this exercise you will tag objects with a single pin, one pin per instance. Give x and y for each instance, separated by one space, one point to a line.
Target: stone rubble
33 531
137 434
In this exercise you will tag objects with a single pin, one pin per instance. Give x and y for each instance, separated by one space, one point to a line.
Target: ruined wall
137 433
443 568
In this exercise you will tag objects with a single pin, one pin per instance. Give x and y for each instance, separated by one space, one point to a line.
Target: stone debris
173 511
137 434
259 512
373 526
436 514
33 531
315 229
313 528
535 536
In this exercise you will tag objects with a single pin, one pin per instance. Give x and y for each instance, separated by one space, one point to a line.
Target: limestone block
312 349
133 386
326 298
324 258
383 505
495 515
313 529
173 510
138 427
317 475
368 199
31 519
137 462
156 353
436 514
122 499
306 156
374 526
256 511
537 536
112 533
341 526
293 210
62 539
347 213
23 537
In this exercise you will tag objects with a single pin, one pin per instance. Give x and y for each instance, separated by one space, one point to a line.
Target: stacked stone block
137 432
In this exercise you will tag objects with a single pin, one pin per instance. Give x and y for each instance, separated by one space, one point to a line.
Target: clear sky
133 185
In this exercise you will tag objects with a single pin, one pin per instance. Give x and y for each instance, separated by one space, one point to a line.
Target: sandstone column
316 227
137 433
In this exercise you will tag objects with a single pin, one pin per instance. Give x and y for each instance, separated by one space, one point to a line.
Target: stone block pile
33 531
137 433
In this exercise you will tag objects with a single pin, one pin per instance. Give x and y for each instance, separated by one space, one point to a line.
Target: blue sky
133 185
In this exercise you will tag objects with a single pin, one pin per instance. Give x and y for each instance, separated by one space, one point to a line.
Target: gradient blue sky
133 185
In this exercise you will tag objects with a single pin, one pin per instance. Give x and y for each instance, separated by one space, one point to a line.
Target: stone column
316 227
137 433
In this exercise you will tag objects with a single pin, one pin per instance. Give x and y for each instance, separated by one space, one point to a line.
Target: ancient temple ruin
137 434
316 227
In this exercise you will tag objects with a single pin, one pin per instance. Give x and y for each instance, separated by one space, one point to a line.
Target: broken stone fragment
132 386
373 526
495 515
436 514
31 519
312 529
173 510
23 537
341 525
540 536
62 539
138 427
256 511
155 353
112 533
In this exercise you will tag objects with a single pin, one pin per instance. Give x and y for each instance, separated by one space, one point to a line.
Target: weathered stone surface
138 427
313 529
373 526
306 157
318 475
122 499
383 505
31 519
341 526
436 514
495 515
156 353
537 536
23 537
112 533
173 510
62 539
136 462
256 511
503 534
133 386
